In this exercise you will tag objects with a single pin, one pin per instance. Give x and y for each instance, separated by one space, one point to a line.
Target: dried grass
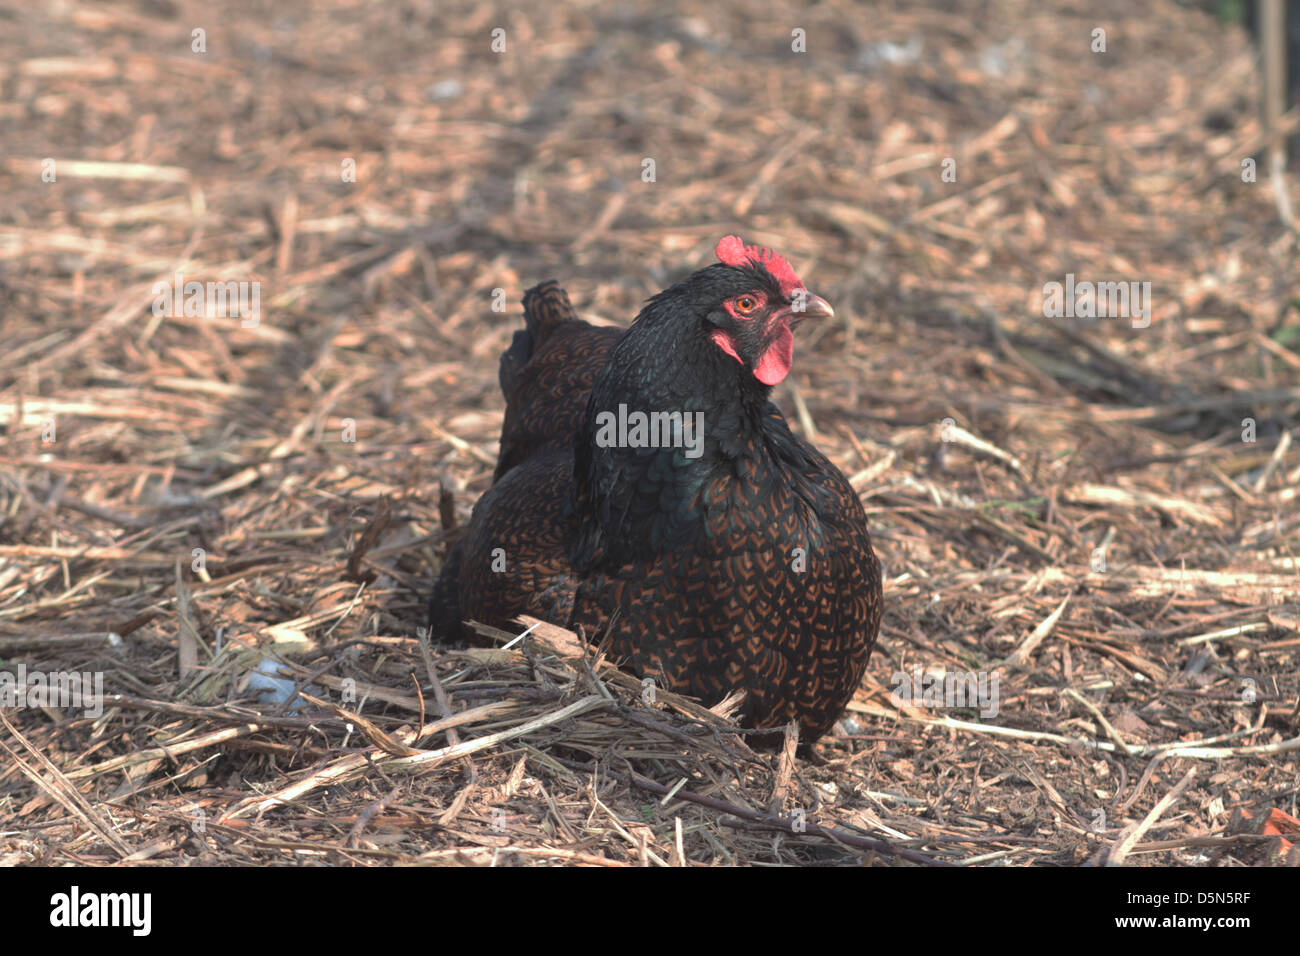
1095 532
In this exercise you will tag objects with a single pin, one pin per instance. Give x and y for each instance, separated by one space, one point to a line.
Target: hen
649 495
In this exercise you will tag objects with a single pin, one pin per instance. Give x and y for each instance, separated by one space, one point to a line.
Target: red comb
732 251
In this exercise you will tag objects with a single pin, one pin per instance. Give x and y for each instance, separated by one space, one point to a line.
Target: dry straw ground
1097 536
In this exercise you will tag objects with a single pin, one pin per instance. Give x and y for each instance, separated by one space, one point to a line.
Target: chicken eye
746 303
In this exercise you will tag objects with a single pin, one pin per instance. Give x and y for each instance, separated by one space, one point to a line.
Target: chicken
649 495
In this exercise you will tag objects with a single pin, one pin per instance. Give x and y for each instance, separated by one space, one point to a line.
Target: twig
778 823
1126 841
1020 656
60 789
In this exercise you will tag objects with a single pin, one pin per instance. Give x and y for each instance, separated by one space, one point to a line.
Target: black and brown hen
648 494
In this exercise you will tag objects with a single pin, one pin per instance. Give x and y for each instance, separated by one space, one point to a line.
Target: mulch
1101 516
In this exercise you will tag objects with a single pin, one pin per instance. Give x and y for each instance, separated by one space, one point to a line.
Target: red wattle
774 366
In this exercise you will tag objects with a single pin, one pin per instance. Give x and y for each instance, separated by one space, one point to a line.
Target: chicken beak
814 307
